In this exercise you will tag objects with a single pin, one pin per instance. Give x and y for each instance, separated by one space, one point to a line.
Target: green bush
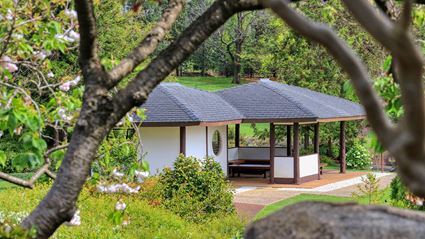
399 194
196 189
358 157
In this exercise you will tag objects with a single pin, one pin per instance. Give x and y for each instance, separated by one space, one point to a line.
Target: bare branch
42 170
347 59
148 44
406 15
87 25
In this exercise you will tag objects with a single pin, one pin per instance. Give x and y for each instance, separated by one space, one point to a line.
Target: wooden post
183 140
316 146
342 147
296 154
206 141
272 151
288 140
237 135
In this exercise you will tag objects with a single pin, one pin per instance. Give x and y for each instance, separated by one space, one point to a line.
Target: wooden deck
328 176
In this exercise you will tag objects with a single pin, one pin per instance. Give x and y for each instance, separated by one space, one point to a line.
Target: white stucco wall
284 167
309 165
221 157
161 146
196 141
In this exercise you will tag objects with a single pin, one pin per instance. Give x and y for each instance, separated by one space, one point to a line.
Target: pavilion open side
195 123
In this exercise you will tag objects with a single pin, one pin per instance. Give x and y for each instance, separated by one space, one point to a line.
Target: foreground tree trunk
102 109
316 220
237 63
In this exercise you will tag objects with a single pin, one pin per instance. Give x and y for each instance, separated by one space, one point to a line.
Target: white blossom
75 221
50 74
141 175
63 116
8 64
41 55
74 35
71 14
17 36
126 223
64 38
1 133
120 206
118 188
117 174
9 15
67 85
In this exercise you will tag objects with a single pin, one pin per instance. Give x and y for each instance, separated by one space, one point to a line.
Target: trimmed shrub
358 157
196 189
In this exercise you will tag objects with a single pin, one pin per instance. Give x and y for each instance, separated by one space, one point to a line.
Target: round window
216 142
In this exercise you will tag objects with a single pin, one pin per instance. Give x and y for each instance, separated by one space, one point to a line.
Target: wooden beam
342 167
183 140
237 135
288 140
316 147
272 150
296 154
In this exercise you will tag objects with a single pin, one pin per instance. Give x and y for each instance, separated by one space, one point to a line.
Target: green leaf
26 160
387 63
39 144
12 122
3 159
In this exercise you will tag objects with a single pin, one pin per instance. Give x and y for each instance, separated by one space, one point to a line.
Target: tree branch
148 44
42 170
347 59
88 48
188 41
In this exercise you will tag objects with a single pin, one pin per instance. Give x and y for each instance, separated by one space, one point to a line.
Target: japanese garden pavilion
193 122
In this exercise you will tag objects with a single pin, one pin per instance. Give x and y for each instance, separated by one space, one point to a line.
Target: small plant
358 157
369 189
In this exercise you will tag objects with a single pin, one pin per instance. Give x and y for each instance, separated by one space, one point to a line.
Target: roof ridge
321 101
297 104
216 93
181 105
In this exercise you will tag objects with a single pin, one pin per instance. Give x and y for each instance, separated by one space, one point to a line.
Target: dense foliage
358 157
196 189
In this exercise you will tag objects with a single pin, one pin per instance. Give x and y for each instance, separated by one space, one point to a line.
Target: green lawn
145 221
385 197
206 83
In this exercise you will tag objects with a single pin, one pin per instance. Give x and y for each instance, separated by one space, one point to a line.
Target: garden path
249 200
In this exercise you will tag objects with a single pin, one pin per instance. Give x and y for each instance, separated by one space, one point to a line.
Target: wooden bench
253 166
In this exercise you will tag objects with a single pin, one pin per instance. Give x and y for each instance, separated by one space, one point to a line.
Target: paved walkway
249 200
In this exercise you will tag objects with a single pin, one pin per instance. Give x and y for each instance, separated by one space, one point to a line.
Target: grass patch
146 221
206 83
384 199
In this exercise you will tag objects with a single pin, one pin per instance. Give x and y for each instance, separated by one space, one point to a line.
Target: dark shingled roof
265 100
174 103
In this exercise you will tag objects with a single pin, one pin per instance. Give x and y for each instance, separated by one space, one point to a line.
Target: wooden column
288 141
296 154
342 167
272 151
237 135
206 140
183 140
316 147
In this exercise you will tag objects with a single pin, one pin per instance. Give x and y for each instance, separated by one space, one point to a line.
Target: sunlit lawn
384 199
